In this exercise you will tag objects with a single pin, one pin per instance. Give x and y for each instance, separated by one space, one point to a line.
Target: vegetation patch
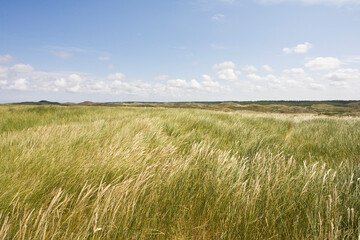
97 172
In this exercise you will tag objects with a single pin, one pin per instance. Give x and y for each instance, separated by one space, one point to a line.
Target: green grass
152 173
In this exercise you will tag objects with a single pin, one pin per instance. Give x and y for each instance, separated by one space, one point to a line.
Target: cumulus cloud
300 48
61 82
181 83
291 78
76 78
342 77
3 72
18 84
316 86
22 68
71 83
3 82
207 78
62 54
250 68
218 17
209 84
338 84
25 78
225 71
116 76
267 68
74 89
254 77
6 59
323 63
227 74
344 74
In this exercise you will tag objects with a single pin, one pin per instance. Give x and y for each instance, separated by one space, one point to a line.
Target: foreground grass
124 173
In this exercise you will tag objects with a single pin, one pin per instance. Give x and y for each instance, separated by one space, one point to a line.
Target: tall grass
124 173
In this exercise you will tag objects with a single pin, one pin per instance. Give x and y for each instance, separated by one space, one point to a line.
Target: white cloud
274 82
181 83
223 65
295 71
120 87
6 59
207 78
178 86
254 77
300 48
267 68
339 84
24 77
75 78
100 86
218 17
194 84
74 89
71 83
161 77
249 86
316 86
18 84
22 68
116 76
227 74
341 77
104 58
286 50
283 81
3 72
209 84
60 82
323 63
62 54
225 71
250 68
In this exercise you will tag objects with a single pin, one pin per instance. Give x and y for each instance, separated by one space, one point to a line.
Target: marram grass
137 173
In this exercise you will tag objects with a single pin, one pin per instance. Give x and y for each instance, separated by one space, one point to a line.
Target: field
98 172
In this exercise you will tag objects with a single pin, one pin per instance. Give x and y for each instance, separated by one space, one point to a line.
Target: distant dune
338 107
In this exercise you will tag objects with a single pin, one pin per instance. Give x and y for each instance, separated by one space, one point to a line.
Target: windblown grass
126 173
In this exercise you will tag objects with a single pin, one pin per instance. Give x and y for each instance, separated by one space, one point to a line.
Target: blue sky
179 50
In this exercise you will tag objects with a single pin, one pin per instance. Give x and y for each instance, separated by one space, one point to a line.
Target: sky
179 50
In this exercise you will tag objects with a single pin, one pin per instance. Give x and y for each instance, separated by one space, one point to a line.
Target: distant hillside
42 102
338 107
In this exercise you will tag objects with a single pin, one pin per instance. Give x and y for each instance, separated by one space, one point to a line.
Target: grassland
80 172
329 108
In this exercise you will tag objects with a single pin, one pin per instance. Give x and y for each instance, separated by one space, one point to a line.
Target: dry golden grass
137 173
